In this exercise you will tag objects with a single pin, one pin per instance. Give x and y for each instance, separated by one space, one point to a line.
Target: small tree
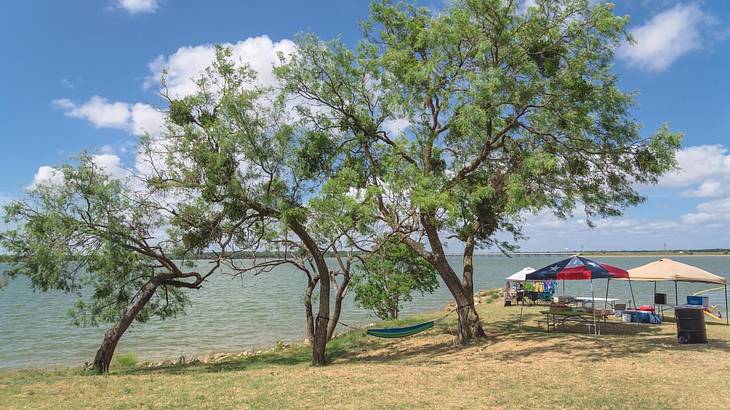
389 276
92 232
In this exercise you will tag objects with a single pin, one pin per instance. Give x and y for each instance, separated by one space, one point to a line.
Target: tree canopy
389 276
508 113
92 232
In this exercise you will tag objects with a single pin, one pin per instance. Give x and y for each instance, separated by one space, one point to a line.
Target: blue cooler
698 300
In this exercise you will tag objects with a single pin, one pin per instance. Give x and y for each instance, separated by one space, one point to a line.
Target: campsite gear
690 324
579 268
641 316
703 301
646 308
667 270
660 298
395 332
713 315
519 276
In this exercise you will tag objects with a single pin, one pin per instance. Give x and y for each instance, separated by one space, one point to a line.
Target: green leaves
390 276
509 112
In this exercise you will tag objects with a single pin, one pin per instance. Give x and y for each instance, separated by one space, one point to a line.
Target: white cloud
137 118
706 189
138 6
97 111
146 119
666 37
712 214
705 165
188 63
111 165
395 127
46 175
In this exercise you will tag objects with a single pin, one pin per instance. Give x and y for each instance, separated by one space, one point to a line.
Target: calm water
253 312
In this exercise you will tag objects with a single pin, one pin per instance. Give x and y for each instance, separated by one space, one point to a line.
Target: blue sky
80 75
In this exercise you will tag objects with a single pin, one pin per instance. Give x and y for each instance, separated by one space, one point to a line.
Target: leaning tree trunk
339 297
111 337
470 326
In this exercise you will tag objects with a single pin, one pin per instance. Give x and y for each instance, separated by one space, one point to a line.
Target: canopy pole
727 317
563 287
605 301
676 294
593 298
633 299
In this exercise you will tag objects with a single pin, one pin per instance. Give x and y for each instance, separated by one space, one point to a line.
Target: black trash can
690 324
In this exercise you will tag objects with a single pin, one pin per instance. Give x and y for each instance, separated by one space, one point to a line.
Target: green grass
517 366
125 360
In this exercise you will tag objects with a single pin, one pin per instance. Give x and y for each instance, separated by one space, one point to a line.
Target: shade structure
668 270
577 268
519 276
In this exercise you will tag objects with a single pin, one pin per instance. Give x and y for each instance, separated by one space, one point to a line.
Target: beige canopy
669 270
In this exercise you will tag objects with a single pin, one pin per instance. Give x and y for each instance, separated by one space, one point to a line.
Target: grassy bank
516 367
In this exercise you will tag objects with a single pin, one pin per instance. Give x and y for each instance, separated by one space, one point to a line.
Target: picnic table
588 299
555 318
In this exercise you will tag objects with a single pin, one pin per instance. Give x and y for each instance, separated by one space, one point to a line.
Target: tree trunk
319 343
339 297
311 284
111 337
470 326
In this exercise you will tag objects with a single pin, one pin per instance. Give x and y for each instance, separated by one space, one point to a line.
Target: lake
253 312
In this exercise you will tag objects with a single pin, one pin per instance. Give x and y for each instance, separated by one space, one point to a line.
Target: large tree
104 238
502 113
241 149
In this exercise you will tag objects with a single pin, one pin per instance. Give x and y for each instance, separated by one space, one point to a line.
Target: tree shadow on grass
618 340
509 340
522 341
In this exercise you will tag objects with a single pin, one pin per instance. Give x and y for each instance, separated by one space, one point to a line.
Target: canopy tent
519 276
577 268
667 270
580 268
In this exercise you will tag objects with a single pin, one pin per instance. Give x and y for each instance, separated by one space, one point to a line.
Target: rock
209 357
167 362
181 361
222 358
307 342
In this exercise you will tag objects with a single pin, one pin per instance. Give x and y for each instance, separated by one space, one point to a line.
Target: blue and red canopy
577 268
